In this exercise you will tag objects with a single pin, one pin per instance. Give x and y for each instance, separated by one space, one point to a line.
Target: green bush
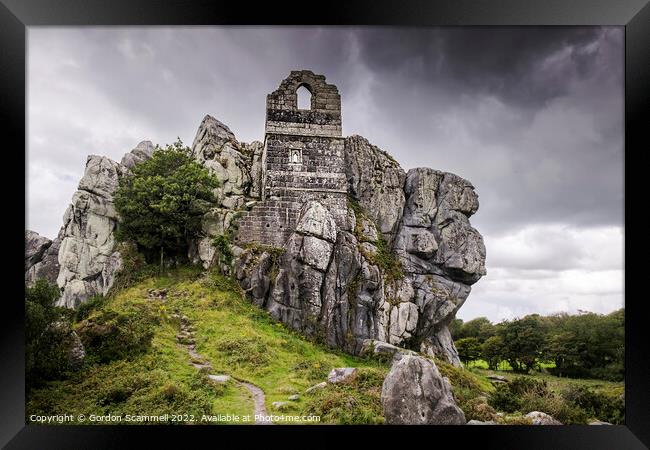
162 204
134 267
503 399
110 335
47 335
606 407
314 371
524 385
356 402
85 308
247 351
554 405
478 409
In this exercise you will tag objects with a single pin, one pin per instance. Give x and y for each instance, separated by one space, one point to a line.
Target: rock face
376 181
335 284
41 258
414 393
238 167
82 259
87 258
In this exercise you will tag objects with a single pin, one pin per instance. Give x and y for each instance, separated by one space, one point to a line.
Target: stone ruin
337 208
302 160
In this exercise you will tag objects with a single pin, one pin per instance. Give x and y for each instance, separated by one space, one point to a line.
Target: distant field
557 383
503 365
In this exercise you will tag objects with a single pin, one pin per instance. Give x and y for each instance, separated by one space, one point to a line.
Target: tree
523 341
588 345
162 203
480 328
492 351
469 349
455 328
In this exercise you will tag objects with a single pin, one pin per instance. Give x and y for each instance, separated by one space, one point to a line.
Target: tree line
585 345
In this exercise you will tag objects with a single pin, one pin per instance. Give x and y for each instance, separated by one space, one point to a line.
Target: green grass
236 337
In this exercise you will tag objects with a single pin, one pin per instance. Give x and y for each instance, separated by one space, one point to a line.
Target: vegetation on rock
162 204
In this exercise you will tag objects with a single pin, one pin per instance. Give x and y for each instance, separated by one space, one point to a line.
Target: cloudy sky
532 116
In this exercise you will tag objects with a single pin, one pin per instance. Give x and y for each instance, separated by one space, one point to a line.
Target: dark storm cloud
546 103
504 62
532 116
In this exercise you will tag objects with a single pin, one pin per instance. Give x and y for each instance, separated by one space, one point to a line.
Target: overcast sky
532 116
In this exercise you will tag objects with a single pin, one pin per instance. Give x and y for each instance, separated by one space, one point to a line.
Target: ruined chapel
302 160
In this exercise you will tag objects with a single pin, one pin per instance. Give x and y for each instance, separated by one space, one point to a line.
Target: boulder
316 387
414 393
76 351
220 379
497 378
74 348
35 246
216 148
341 375
317 221
87 255
478 422
280 406
383 349
598 422
540 418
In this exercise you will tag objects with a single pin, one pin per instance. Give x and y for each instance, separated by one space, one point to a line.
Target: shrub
524 385
248 351
313 371
161 205
222 244
134 267
110 336
85 308
554 405
609 408
478 409
47 335
356 402
503 399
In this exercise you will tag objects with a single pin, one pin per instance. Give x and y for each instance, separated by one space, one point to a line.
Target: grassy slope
238 339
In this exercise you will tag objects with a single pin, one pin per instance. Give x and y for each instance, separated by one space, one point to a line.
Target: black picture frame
16 15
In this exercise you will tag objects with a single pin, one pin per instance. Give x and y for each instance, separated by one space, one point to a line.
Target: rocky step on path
186 338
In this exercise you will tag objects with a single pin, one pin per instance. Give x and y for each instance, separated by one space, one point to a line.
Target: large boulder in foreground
414 393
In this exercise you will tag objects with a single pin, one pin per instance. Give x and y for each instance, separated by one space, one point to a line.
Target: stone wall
302 160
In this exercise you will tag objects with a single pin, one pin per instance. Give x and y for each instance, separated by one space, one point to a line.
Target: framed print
394 219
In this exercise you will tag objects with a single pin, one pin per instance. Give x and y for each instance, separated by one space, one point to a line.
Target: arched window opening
304 98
